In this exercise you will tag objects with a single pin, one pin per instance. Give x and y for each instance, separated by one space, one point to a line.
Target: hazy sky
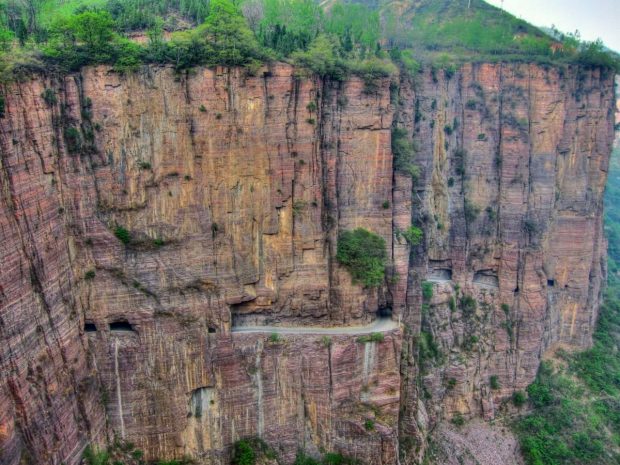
594 18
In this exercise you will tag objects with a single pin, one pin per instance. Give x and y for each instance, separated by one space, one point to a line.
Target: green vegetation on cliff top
332 39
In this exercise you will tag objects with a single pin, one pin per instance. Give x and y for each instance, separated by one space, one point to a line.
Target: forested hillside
333 40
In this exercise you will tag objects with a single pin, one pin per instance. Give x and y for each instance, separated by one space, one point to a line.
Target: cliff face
230 191
514 163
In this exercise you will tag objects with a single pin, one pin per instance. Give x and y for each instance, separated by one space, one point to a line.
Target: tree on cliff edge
229 39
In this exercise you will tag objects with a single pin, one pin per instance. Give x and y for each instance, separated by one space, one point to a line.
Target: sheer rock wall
233 189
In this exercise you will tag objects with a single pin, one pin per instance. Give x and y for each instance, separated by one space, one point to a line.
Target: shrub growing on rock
96 457
252 451
413 235
458 420
519 398
243 453
369 425
404 153
427 291
363 254
471 211
373 337
73 139
122 234
50 97
468 305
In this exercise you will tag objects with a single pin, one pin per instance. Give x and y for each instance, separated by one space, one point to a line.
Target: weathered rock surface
233 190
513 167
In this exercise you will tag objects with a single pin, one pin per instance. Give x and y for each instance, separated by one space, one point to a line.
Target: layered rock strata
146 215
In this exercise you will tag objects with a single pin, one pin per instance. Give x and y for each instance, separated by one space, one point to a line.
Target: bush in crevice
427 291
471 211
373 337
428 347
413 235
96 457
50 97
369 425
458 420
73 139
250 451
364 254
403 152
275 338
519 398
122 234
468 305
243 453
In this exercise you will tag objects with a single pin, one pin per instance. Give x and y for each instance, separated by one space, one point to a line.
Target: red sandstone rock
234 189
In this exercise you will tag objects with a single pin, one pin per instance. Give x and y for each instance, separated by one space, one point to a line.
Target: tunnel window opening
212 330
90 327
517 289
122 325
439 275
486 278
550 282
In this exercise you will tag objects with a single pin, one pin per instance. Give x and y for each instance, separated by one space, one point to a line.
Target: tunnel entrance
385 312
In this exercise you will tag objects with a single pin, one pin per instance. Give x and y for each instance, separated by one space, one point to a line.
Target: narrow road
380 325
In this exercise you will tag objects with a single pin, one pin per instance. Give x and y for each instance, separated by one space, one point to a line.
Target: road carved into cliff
381 325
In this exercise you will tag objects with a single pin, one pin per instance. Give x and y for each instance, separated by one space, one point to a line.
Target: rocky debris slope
476 443
145 215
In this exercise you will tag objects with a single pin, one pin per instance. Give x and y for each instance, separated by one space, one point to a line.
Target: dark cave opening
121 325
90 327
